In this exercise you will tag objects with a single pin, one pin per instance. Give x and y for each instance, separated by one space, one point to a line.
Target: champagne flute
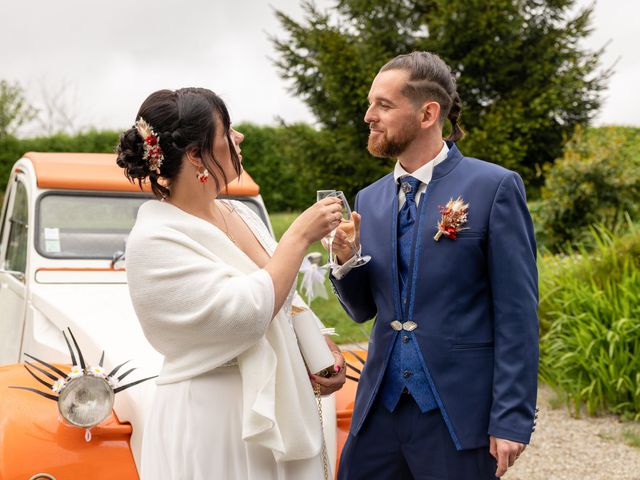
320 194
348 226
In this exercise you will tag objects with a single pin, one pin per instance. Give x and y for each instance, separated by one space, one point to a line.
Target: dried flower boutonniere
453 216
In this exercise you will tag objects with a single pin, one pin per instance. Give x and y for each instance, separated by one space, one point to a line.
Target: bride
214 295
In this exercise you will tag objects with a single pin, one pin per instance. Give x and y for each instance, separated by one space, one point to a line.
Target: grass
589 310
329 311
558 400
631 437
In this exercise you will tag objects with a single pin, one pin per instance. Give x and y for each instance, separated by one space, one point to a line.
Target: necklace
226 227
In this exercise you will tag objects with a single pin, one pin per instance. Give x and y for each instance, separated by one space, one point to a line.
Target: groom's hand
347 239
505 452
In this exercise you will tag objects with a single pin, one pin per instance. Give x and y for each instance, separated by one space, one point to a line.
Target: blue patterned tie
406 220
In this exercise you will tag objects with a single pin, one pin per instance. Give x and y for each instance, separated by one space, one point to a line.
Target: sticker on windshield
52 240
52 246
52 234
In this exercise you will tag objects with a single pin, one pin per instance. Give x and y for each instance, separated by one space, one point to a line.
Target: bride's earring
204 176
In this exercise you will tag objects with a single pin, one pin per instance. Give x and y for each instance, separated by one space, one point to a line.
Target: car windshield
85 226
92 226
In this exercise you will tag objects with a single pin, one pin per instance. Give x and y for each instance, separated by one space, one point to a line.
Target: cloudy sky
104 58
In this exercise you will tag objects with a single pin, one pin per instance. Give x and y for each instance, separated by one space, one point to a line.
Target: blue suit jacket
475 299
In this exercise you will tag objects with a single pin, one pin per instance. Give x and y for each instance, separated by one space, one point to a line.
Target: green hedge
288 162
11 148
596 181
590 324
291 162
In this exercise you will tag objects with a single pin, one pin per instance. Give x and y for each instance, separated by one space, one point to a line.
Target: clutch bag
313 346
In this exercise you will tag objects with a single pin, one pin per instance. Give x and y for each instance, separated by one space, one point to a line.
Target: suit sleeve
354 290
514 284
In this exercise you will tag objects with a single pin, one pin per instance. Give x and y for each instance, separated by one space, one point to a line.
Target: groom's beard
385 147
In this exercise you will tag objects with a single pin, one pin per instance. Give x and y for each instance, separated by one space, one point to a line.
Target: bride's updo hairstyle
181 121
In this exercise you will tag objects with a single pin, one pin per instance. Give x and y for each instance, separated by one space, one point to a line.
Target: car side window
16 255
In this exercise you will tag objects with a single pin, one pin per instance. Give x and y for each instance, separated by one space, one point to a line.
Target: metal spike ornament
85 394
352 367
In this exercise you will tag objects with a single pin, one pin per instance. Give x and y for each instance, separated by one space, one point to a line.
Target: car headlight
86 401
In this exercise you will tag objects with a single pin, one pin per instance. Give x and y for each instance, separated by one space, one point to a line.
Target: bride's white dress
233 399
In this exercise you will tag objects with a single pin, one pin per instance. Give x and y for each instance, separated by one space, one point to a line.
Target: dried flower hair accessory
152 151
452 217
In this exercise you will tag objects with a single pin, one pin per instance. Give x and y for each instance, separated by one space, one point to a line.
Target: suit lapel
391 218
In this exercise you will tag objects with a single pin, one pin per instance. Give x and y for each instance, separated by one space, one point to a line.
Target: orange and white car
63 227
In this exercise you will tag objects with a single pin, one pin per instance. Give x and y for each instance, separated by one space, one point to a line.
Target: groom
449 387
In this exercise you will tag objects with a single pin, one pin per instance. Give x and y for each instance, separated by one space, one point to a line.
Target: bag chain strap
325 460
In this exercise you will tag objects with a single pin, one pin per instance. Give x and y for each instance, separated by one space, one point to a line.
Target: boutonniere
452 217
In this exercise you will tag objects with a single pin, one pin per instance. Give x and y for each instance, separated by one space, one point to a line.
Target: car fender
34 439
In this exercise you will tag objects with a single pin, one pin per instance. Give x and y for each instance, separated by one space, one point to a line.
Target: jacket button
406 374
405 339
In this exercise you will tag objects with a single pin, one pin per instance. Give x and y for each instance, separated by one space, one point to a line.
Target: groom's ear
429 114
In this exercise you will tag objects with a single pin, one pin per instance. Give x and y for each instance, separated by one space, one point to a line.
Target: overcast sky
108 56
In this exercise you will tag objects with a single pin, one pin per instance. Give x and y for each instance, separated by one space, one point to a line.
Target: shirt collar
425 172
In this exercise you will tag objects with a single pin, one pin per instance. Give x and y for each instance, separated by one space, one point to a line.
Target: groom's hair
430 79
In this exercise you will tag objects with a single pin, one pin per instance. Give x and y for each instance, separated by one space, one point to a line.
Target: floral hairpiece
152 151
453 217
85 393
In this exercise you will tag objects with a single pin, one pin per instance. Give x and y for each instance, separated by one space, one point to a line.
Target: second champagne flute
348 226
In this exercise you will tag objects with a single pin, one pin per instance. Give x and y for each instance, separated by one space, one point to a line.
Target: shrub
283 160
288 162
590 323
596 181
11 148
291 162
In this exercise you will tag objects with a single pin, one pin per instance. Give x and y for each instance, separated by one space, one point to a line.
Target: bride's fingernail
338 368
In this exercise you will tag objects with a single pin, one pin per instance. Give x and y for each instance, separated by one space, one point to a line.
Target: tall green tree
523 77
15 110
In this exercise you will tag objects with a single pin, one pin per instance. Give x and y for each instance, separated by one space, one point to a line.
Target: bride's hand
317 221
335 382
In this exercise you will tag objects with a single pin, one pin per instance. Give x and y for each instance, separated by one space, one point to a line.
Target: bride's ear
192 155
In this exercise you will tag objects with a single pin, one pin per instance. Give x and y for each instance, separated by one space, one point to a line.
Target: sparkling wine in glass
348 226
328 238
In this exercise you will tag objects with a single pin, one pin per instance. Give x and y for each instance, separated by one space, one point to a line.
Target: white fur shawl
202 302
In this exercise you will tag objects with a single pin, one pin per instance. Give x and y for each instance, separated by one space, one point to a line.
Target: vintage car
63 227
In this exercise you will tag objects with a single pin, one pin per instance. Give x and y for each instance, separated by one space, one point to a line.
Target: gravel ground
566 448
